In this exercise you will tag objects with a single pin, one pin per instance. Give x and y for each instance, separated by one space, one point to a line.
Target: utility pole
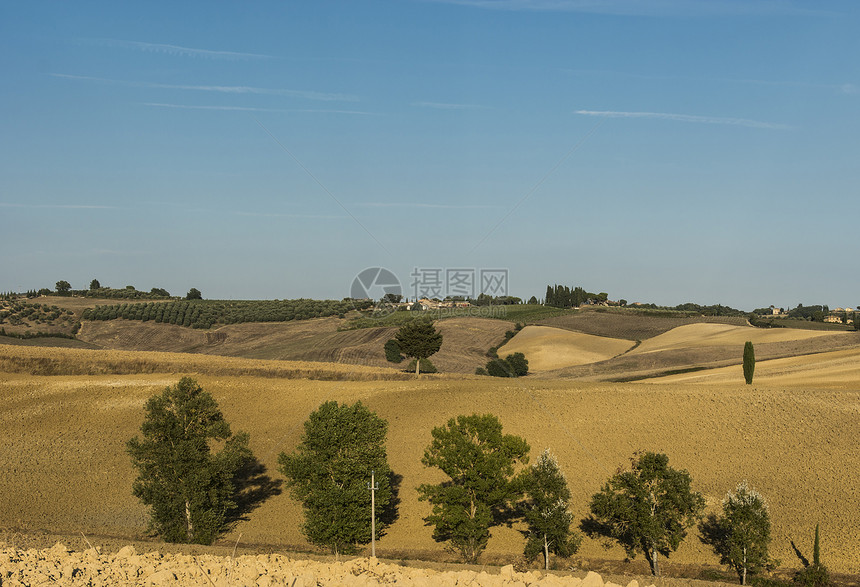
373 486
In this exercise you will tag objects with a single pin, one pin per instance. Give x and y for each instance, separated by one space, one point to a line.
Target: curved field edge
58 432
834 369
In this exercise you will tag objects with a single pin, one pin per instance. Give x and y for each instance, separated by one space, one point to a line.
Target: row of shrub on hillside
207 313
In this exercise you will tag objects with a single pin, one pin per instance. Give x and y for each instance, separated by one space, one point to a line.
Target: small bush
514 365
499 368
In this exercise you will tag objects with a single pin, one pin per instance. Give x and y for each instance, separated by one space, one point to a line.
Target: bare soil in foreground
95 566
62 441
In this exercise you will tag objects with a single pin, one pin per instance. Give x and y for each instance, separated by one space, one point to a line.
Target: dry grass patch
55 361
548 348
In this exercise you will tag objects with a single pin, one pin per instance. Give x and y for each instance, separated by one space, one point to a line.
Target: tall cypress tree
749 362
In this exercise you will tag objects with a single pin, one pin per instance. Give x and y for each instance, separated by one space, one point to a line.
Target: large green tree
479 461
647 508
418 339
190 489
546 510
329 473
63 287
741 535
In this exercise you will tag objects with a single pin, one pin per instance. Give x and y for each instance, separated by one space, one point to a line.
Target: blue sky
665 151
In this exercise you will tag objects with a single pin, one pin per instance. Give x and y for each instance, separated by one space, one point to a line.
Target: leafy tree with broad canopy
741 535
647 508
546 511
194 294
190 489
418 339
479 461
63 287
329 473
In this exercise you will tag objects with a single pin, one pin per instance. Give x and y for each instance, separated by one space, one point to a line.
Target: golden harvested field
717 335
65 470
832 370
548 348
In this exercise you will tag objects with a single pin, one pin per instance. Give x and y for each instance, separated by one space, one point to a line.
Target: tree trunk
655 565
189 526
417 365
744 577
545 553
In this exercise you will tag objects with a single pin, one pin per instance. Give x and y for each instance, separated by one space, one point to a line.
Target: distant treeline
561 296
712 310
207 313
126 293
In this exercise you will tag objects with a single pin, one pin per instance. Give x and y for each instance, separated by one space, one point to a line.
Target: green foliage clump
646 509
514 365
392 351
190 490
741 535
813 574
426 366
330 471
546 511
479 461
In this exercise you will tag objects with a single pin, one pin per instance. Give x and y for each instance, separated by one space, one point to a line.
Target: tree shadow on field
253 487
392 511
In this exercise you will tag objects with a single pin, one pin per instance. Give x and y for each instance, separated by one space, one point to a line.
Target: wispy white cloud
685 118
425 205
446 106
279 215
255 109
308 95
58 206
178 50
696 8
850 89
